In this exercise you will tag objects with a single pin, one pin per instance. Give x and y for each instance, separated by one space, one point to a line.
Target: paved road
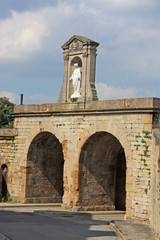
29 226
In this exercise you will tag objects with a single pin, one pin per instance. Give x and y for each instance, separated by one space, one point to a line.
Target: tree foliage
6 108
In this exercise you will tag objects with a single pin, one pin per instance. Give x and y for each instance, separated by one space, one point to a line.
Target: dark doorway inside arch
44 177
4 190
102 172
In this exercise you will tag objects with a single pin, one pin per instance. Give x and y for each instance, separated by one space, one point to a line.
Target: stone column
84 76
63 96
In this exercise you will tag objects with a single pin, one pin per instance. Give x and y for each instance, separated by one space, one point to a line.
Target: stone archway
102 173
44 176
4 189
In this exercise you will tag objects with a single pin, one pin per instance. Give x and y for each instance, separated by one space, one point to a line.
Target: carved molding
76 45
66 57
85 55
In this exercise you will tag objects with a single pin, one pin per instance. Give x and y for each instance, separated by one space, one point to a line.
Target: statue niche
79 54
75 79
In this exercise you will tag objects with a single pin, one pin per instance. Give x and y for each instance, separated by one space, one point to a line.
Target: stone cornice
134 105
84 40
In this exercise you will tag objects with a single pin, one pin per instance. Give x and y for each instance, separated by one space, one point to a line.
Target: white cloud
127 30
10 95
39 99
21 34
33 99
84 9
24 33
123 3
107 92
130 3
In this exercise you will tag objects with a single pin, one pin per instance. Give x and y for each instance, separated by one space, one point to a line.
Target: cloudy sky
32 32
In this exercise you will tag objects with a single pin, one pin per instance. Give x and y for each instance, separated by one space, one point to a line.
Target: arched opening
74 60
44 177
4 190
102 172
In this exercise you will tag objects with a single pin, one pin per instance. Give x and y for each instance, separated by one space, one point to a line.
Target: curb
118 231
6 205
56 207
2 237
68 212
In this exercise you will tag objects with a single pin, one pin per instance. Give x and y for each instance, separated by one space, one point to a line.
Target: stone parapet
131 104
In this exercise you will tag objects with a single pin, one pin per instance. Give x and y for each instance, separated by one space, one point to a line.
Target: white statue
76 81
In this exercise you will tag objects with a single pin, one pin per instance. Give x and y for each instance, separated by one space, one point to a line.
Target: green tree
6 108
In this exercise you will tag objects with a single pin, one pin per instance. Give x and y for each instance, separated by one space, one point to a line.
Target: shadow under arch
102 173
44 176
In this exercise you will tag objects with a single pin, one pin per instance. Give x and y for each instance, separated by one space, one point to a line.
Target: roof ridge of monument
81 38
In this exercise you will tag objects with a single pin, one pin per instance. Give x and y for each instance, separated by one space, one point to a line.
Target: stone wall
110 138
8 162
155 183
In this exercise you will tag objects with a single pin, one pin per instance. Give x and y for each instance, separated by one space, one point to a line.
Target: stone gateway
87 154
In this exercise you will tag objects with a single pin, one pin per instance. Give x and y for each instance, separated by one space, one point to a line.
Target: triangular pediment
77 40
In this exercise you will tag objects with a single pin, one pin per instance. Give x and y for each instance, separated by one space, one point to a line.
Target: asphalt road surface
29 226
